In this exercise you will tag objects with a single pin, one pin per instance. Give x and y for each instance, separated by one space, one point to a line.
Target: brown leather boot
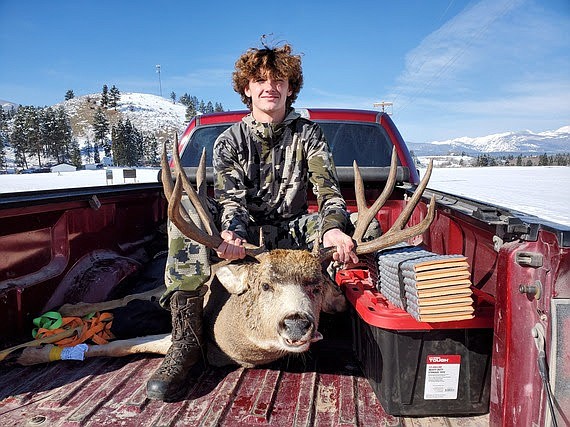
168 381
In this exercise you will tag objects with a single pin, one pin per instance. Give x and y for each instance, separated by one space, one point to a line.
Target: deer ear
233 277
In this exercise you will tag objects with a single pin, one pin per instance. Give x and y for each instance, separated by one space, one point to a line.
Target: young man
262 168
263 164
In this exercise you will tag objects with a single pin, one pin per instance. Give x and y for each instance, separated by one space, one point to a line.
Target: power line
447 66
413 59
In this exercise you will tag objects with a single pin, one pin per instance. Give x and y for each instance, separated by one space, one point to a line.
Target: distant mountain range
522 142
154 114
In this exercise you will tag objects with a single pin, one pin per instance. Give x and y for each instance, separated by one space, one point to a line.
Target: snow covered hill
7 105
150 114
523 142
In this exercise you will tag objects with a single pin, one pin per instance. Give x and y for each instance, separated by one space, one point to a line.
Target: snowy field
540 191
84 178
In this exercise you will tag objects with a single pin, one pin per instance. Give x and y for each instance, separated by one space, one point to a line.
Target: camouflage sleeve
322 174
229 187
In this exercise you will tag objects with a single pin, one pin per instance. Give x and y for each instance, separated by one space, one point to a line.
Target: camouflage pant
188 262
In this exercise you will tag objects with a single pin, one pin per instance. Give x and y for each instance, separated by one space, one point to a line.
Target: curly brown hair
275 62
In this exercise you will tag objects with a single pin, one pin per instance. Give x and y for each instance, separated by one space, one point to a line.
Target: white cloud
457 46
498 65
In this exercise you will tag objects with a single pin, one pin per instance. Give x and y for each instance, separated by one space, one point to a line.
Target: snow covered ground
540 191
84 178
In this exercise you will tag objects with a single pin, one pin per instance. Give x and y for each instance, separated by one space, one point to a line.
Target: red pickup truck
377 365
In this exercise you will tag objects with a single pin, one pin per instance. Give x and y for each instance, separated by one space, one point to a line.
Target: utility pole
383 105
159 82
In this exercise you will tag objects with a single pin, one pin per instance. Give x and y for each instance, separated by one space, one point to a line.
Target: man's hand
343 243
232 246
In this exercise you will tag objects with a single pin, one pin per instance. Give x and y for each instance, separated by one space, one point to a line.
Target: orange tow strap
96 328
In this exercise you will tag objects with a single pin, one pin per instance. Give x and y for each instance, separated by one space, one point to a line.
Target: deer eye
266 287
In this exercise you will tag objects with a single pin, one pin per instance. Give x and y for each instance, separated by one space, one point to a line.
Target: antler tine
396 236
201 175
361 205
187 227
396 233
365 214
166 174
407 212
177 214
192 195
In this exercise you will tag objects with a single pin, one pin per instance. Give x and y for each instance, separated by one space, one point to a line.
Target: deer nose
297 326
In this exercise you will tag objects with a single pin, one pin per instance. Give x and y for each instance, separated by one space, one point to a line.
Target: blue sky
451 67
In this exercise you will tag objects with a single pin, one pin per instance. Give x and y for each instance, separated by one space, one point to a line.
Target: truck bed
324 387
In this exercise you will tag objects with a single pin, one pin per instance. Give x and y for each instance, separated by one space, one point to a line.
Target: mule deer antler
397 233
210 237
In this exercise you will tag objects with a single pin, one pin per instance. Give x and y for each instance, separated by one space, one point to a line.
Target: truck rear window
367 143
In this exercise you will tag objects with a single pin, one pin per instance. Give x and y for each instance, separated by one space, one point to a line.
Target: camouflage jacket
262 173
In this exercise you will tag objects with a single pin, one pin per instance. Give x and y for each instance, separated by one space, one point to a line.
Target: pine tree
138 140
190 111
3 138
20 157
561 159
173 97
117 143
96 155
69 95
88 149
185 99
64 133
218 107
114 97
101 129
485 160
55 133
127 144
75 154
48 129
151 151
26 135
34 135
3 164
105 97
209 107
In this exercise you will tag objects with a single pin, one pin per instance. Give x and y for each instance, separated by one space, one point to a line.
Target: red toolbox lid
377 311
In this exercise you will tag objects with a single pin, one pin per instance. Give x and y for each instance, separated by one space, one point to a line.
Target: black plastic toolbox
418 368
